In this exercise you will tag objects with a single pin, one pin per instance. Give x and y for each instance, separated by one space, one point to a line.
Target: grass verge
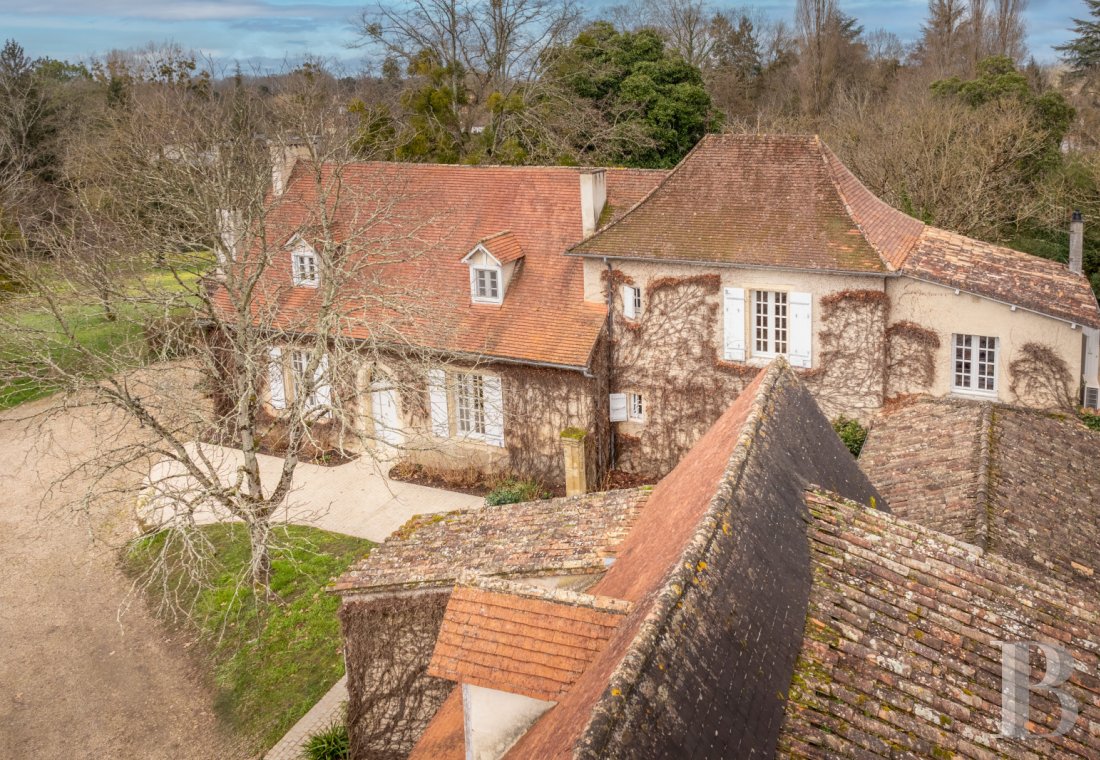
269 662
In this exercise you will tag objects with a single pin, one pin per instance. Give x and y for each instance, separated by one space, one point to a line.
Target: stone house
477 350
636 305
757 246
761 601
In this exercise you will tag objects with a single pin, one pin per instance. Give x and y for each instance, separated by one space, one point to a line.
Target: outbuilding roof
564 536
771 616
1021 483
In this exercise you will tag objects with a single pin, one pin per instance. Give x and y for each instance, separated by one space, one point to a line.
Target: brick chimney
1076 243
593 198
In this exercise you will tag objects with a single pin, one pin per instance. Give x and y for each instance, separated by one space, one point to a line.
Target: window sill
487 301
967 393
304 284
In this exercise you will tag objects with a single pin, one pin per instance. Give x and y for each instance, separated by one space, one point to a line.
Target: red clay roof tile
406 228
521 639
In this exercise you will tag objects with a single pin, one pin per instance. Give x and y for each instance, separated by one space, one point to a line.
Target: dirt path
74 681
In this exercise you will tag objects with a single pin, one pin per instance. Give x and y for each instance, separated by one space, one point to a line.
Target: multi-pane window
299 363
305 267
636 409
487 284
769 322
975 363
470 395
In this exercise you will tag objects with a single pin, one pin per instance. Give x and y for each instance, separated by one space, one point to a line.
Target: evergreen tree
1082 53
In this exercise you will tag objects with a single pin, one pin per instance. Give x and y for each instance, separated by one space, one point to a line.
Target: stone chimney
1076 243
283 158
230 228
593 198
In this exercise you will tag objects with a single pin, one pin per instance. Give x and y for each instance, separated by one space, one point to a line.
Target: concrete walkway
355 498
328 710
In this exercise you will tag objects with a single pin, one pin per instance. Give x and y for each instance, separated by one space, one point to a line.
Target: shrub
1091 420
511 491
851 432
329 743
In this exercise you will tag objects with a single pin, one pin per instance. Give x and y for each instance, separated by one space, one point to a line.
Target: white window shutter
322 387
275 379
800 348
437 399
628 302
733 320
618 407
494 410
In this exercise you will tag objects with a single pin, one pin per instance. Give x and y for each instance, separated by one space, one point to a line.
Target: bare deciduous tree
283 366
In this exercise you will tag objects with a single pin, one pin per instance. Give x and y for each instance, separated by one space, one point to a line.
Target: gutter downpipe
610 359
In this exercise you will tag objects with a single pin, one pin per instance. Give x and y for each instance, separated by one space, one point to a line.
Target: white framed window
769 323
478 406
470 398
486 284
974 360
304 265
632 302
299 363
636 407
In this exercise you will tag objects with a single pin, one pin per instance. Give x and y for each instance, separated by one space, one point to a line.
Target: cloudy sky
265 33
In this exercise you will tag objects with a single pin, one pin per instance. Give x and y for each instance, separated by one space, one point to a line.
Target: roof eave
730 264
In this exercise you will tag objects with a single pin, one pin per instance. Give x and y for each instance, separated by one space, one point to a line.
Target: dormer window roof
491 263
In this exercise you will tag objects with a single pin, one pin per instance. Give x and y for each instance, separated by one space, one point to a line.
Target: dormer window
486 284
303 264
493 263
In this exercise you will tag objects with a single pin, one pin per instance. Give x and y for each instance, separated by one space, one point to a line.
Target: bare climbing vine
1041 378
910 359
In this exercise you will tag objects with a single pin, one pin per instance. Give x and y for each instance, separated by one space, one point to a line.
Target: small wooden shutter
437 399
322 388
628 302
800 347
494 410
618 407
1092 397
276 390
733 320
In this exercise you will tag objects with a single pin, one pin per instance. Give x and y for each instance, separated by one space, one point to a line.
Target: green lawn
273 661
30 328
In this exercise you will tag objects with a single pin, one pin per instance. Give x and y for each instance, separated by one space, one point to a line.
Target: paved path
328 710
355 498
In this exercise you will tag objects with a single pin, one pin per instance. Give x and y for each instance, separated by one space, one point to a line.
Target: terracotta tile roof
503 246
924 458
890 232
521 639
1041 285
1020 483
571 535
711 638
444 738
901 655
406 228
744 199
788 201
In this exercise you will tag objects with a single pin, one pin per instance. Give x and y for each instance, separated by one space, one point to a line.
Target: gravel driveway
74 681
